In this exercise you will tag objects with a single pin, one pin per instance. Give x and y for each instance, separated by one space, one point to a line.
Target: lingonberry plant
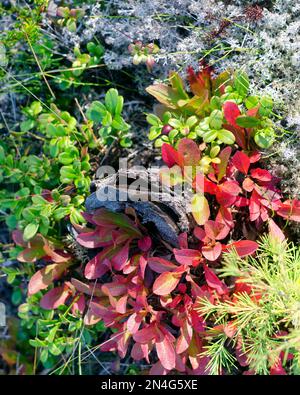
220 111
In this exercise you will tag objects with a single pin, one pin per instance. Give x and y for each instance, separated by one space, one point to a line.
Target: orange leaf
166 283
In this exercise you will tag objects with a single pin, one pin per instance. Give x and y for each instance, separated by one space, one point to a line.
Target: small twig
38 63
81 111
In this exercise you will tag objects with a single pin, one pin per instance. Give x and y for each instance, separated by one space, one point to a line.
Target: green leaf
214 151
118 123
178 85
37 199
36 108
95 49
200 208
76 217
61 212
191 121
251 102
119 106
209 135
247 122
266 106
38 343
67 157
96 112
44 355
216 119
241 83
30 231
11 221
154 133
175 123
111 100
54 349
153 120
56 131
3 57
265 138
215 103
125 142
107 119
27 125
226 136
16 296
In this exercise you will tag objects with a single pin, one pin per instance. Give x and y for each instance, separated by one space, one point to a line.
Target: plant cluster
221 111
225 299
165 305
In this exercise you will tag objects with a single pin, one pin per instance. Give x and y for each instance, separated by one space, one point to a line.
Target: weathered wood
169 218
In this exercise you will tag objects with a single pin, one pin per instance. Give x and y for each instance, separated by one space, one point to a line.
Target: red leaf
224 158
243 247
200 82
35 250
277 369
248 184
212 253
214 282
202 184
215 230
121 305
240 355
183 240
160 265
78 306
166 283
253 111
145 335
44 277
142 262
17 236
120 259
166 353
57 257
255 156
190 152
145 243
227 193
241 201
158 370
290 209
224 216
88 289
97 267
170 156
140 351
239 134
261 175
231 112
200 233
187 256
114 289
185 337
241 162
275 232
95 239
107 218
54 298
133 323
